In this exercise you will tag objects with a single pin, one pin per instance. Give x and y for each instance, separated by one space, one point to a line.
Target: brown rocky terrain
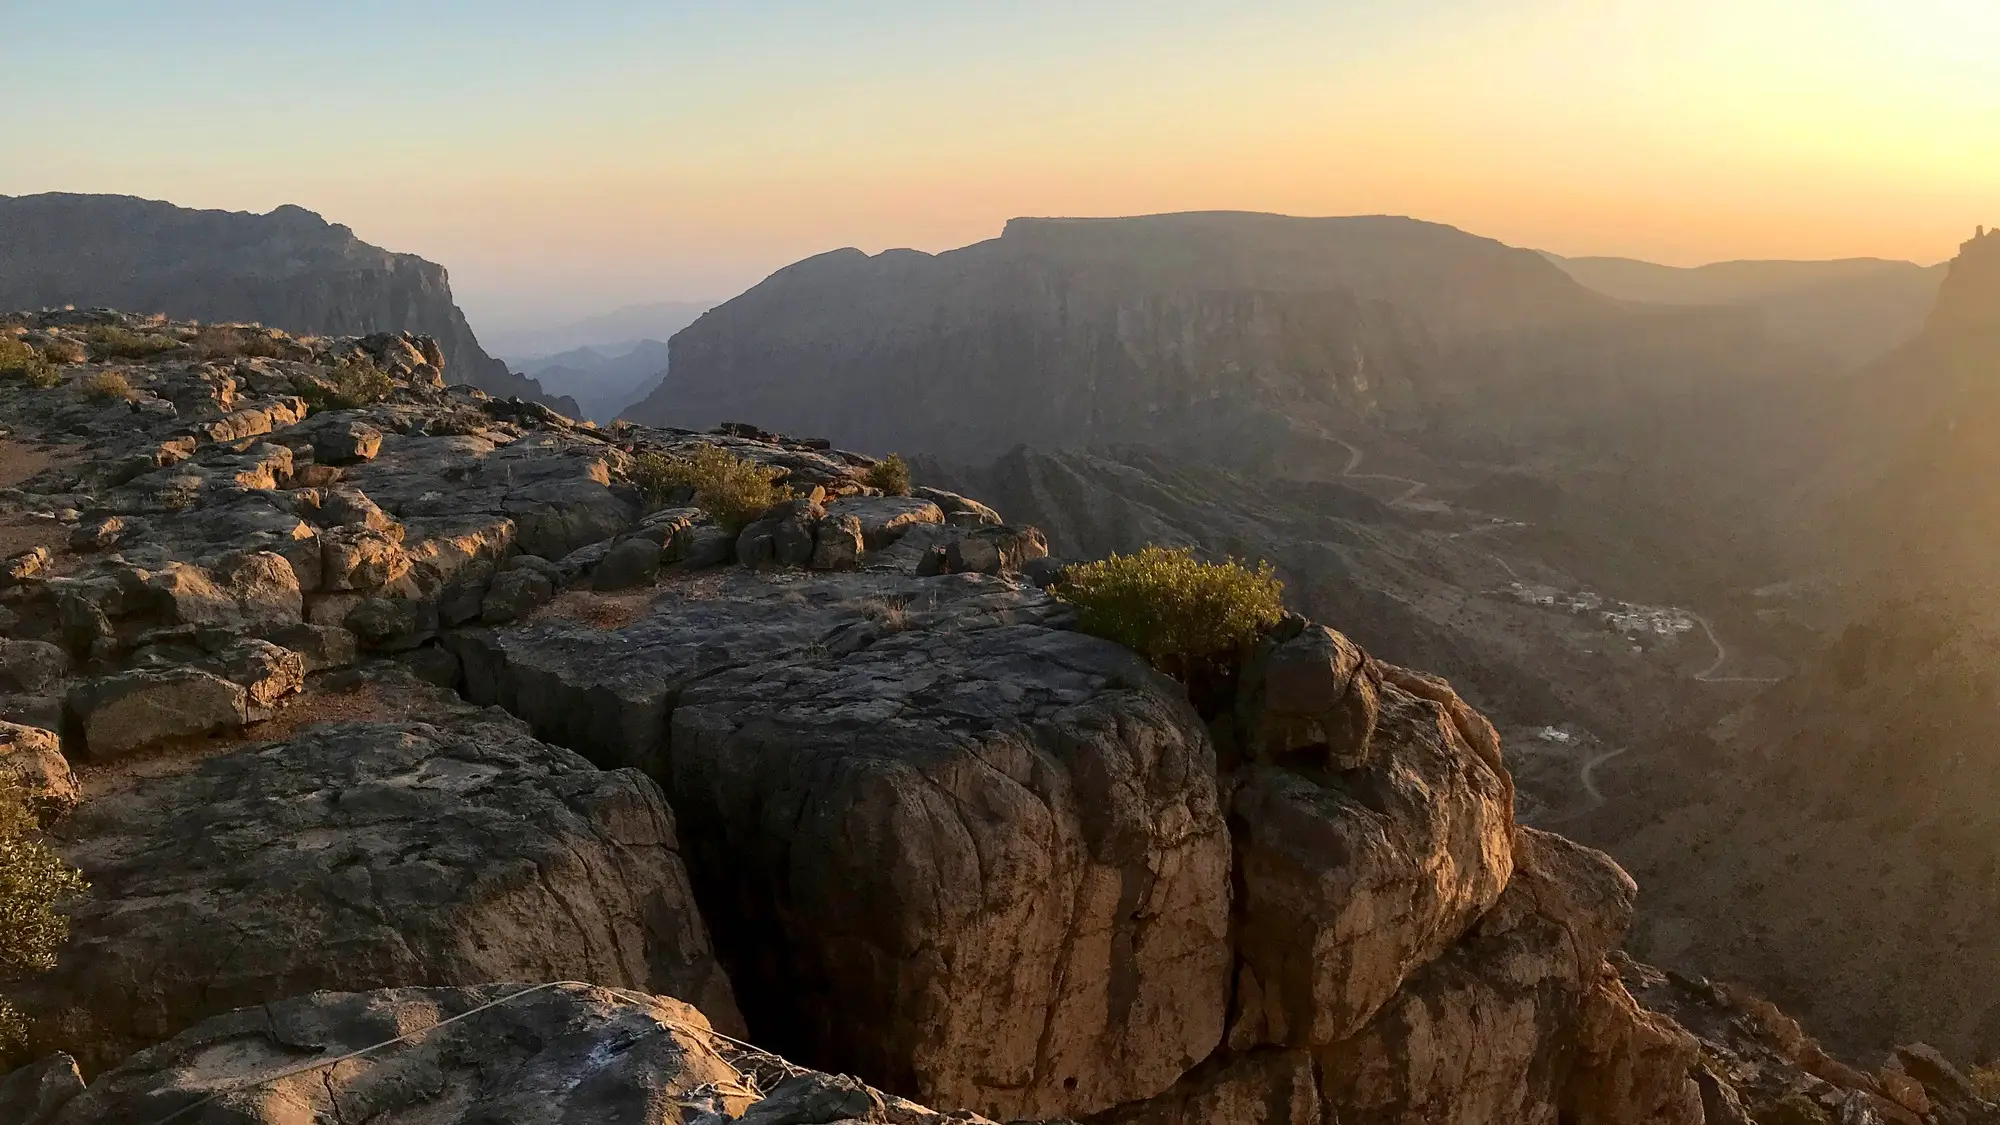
1863 787
364 714
289 269
1445 443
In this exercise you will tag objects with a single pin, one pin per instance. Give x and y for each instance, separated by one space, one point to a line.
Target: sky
565 158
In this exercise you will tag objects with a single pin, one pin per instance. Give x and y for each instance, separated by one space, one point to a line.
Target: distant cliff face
289 269
1968 308
1211 334
1863 787
1849 312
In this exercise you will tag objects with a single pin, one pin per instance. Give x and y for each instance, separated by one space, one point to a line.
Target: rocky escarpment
289 269
847 754
1232 337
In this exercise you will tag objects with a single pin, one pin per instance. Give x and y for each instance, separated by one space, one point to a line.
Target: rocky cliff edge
427 768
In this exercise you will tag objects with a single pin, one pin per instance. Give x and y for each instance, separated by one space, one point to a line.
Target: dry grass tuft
112 342
106 386
237 341
734 490
600 611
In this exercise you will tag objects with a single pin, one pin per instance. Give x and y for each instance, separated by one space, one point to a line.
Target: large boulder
252 590
961 511
30 667
346 442
515 594
995 550
782 536
266 672
944 844
633 562
361 558
120 713
367 855
1307 687
1351 880
884 519
31 760
1522 1022
34 1094
838 543
564 1055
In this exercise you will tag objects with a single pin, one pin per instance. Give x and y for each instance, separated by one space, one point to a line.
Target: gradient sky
562 158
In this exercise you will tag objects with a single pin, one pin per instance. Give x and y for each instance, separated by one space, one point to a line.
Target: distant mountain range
1226 333
604 379
1427 431
289 269
1849 311
615 331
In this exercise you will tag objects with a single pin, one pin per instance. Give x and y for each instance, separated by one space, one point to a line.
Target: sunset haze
564 158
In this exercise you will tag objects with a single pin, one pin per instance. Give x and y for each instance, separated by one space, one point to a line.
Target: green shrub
106 386
18 360
732 489
33 882
891 474
1170 607
109 341
350 383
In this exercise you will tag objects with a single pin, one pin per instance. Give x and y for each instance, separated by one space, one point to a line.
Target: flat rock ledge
401 852
564 1055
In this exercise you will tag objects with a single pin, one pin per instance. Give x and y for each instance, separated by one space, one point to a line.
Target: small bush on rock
63 351
891 474
33 882
235 341
350 383
19 361
112 342
732 489
1178 612
106 386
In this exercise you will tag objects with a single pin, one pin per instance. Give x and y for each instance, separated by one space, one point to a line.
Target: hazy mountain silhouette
604 380
289 269
1842 853
1850 311
614 331
1223 334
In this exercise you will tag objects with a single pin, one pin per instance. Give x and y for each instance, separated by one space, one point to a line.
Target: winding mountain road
1352 471
1707 675
1588 776
1587 771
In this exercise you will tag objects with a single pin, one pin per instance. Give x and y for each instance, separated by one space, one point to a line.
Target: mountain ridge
289 269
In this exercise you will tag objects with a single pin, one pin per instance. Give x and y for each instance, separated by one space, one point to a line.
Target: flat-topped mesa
392 685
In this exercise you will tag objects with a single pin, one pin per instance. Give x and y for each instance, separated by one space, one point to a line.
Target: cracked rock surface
330 694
